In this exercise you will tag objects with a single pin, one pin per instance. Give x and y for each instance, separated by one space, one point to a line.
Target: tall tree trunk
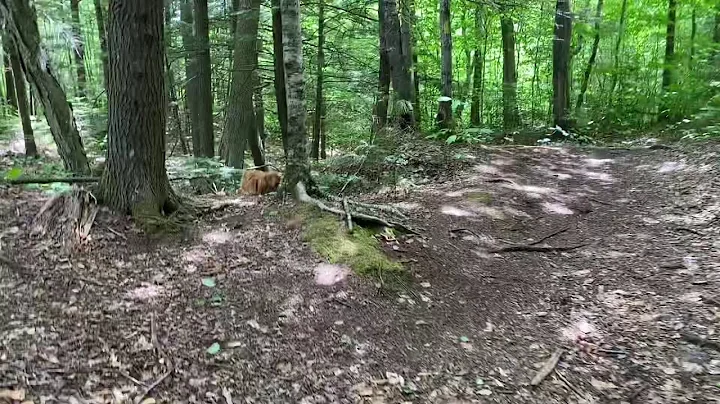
78 48
258 100
319 104
176 122
669 63
561 64
693 33
478 62
407 32
10 96
279 70
134 180
445 117
616 54
22 100
400 74
511 113
189 48
21 22
240 127
206 137
102 35
383 96
536 62
593 56
297 168
323 135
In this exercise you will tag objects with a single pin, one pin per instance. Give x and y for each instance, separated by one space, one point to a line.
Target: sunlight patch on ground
461 192
406 205
217 237
147 292
531 189
493 213
597 162
515 212
487 169
580 329
593 175
196 255
557 208
330 274
455 211
671 166
502 162
701 218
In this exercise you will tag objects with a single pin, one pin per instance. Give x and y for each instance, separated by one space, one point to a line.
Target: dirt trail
474 327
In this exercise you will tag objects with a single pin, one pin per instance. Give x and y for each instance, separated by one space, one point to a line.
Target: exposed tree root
67 217
355 216
534 248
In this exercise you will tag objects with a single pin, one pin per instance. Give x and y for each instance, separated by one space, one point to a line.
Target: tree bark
258 101
240 128
22 100
189 46
279 70
102 34
319 104
561 64
445 117
399 72
410 53
297 168
511 113
78 49
381 104
618 42
478 62
593 56
693 34
176 123
203 87
21 23
10 96
135 180
669 63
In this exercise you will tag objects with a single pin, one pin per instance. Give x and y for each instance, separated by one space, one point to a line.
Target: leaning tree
135 180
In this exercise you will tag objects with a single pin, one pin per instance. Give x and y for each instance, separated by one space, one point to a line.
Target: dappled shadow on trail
634 278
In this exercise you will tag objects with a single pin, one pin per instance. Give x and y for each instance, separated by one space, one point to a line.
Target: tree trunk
203 88
381 104
410 53
102 34
593 56
478 62
561 64
78 49
399 72
693 33
616 55
319 104
189 46
279 70
134 180
241 128
511 114
10 96
297 168
323 135
445 117
22 100
669 63
21 22
176 123
258 100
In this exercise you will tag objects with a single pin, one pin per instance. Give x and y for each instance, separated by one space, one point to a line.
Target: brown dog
260 182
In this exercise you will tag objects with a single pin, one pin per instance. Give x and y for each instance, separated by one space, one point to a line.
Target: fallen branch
304 197
548 367
534 248
50 180
553 234
161 352
383 208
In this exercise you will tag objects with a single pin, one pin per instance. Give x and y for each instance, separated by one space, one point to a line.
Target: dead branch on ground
50 180
348 216
553 234
534 248
548 367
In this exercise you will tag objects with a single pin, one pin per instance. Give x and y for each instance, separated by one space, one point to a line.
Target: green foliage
466 136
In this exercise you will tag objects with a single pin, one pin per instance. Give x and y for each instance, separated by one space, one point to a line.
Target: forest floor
630 307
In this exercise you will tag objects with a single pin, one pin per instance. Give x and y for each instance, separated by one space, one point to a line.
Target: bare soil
635 306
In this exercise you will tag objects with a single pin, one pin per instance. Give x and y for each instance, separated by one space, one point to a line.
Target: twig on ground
347 215
465 230
117 233
700 341
601 202
492 180
711 300
553 234
569 385
548 367
689 230
534 248
168 363
383 208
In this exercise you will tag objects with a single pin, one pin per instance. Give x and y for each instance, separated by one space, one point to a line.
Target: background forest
469 71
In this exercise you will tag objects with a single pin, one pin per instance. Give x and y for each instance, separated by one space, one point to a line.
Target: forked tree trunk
10 96
279 70
102 34
22 100
669 63
445 117
204 81
561 64
593 55
78 49
21 22
319 104
134 180
383 96
297 168
240 127
511 114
